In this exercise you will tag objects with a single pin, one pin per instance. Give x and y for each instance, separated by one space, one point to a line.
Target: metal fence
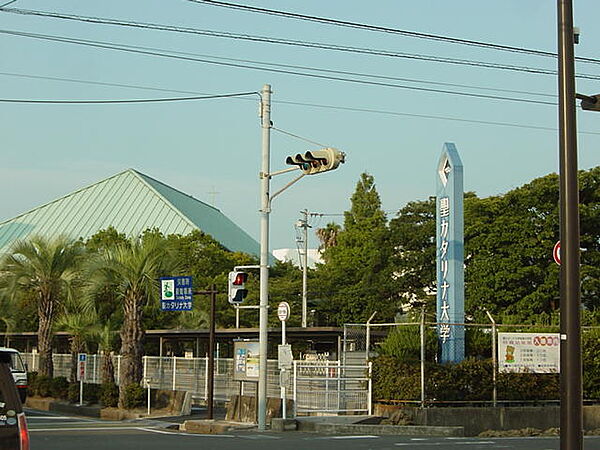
416 344
317 386
332 388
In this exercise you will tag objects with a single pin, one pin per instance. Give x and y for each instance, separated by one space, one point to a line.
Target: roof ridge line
70 194
176 190
140 176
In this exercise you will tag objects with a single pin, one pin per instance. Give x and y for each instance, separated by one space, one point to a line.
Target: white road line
352 437
424 444
177 433
48 417
37 430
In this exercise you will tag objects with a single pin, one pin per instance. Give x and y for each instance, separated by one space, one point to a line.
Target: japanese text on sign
176 294
444 213
529 352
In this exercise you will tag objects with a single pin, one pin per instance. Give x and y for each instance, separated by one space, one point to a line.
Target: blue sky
209 146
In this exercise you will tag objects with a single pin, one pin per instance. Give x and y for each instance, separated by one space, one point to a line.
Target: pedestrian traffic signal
237 286
317 161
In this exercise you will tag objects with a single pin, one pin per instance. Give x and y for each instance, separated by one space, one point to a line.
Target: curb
382 430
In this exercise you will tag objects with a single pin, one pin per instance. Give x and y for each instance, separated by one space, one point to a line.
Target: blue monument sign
176 293
450 256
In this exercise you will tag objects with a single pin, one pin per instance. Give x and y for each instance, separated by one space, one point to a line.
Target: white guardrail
326 387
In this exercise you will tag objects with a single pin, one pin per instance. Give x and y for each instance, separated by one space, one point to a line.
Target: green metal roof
131 202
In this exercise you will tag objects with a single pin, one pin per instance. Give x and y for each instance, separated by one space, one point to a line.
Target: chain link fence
407 367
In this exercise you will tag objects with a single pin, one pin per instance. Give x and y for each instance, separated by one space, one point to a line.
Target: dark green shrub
73 393
32 383
43 386
590 355
91 393
109 395
404 343
134 396
59 388
528 386
468 380
395 380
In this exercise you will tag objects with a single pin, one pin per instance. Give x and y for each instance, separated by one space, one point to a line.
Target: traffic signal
317 161
237 286
591 103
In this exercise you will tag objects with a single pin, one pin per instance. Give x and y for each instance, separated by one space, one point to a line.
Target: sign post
283 313
450 256
81 370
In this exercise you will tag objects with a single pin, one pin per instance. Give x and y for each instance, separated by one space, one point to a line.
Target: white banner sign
529 352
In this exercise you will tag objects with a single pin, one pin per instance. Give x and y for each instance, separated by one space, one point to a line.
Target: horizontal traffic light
317 161
591 103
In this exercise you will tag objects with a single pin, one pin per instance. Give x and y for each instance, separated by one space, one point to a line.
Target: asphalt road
55 432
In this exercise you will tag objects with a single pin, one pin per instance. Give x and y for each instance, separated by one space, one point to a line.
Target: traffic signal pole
571 409
265 178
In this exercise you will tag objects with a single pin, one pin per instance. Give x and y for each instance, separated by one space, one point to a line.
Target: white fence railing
316 386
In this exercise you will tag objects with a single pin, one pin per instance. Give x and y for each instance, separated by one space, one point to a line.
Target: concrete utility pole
265 177
303 223
571 409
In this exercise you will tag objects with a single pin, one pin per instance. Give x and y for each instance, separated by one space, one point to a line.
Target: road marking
351 437
178 433
423 444
37 430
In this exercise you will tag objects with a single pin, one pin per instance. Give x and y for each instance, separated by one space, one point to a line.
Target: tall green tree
50 268
356 278
412 238
133 272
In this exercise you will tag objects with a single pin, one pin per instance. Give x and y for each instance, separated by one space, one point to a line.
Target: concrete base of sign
243 409
205 426
279 424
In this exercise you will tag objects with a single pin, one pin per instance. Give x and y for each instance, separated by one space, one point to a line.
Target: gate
328 387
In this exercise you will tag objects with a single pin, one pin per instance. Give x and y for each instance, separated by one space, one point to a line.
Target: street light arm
285 187
279 172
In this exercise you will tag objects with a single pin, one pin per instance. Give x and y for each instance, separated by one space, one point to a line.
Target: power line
98 83
148 100
367 27
314 69
289 42
427 116
297 137
306 104
130 49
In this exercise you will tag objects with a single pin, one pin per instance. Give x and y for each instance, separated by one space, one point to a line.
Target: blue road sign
176 293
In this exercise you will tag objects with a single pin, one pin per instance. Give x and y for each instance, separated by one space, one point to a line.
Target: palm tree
105 345
328 235
8 309
50 268
132 270
80 320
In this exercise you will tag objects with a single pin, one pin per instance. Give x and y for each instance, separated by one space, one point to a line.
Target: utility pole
571 409
265 178
303 223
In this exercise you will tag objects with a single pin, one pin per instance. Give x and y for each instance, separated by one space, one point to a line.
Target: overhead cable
297 43
368 27
145 100
118 47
